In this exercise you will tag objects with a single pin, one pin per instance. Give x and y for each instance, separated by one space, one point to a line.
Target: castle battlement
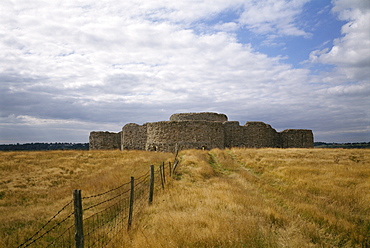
199 131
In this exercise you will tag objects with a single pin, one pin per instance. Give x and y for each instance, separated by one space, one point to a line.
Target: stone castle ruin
199 131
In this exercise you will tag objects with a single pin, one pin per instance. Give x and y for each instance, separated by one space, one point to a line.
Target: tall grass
217 198
34 185
263 198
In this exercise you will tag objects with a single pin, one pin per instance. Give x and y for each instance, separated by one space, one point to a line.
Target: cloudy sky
73 66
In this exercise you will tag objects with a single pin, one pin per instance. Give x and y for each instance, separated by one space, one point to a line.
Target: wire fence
97 220
57 228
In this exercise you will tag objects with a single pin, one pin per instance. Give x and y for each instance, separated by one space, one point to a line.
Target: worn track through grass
263 198
218 198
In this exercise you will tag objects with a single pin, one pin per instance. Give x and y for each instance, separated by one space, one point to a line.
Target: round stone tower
169 135
204 116
185 131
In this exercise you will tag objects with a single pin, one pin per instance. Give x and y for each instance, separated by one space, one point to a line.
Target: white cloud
346 87
345 7
273 17
32 129
227 27
101 64
350 53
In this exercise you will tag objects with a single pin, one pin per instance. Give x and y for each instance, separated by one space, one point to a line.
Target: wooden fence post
164 173
131 209
161 175
175 163
170 169
151 184
79 235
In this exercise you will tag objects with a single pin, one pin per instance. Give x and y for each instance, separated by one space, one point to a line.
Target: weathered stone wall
133 137
296 138
234 134
205 116
199 131
104 141
258 134
165 135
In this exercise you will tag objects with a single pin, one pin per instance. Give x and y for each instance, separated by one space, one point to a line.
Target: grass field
35 185
218 198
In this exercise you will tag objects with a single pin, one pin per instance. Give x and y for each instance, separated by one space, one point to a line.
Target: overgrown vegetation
263 198
35 185
218 198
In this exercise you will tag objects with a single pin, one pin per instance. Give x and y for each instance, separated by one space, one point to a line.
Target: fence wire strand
100 225
33 240
60 236
107 215
104 193
105 201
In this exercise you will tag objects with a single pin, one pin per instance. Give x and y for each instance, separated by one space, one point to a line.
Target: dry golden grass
35 185
218 198
262 198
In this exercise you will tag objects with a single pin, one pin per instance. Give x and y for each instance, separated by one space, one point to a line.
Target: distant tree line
85 146
44 146
342 145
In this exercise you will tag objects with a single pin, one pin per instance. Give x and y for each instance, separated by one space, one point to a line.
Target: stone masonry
199 131
104 141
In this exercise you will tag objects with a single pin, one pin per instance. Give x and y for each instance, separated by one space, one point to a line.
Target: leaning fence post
131 203
164 173
79 234
151 184
161 175
175 163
